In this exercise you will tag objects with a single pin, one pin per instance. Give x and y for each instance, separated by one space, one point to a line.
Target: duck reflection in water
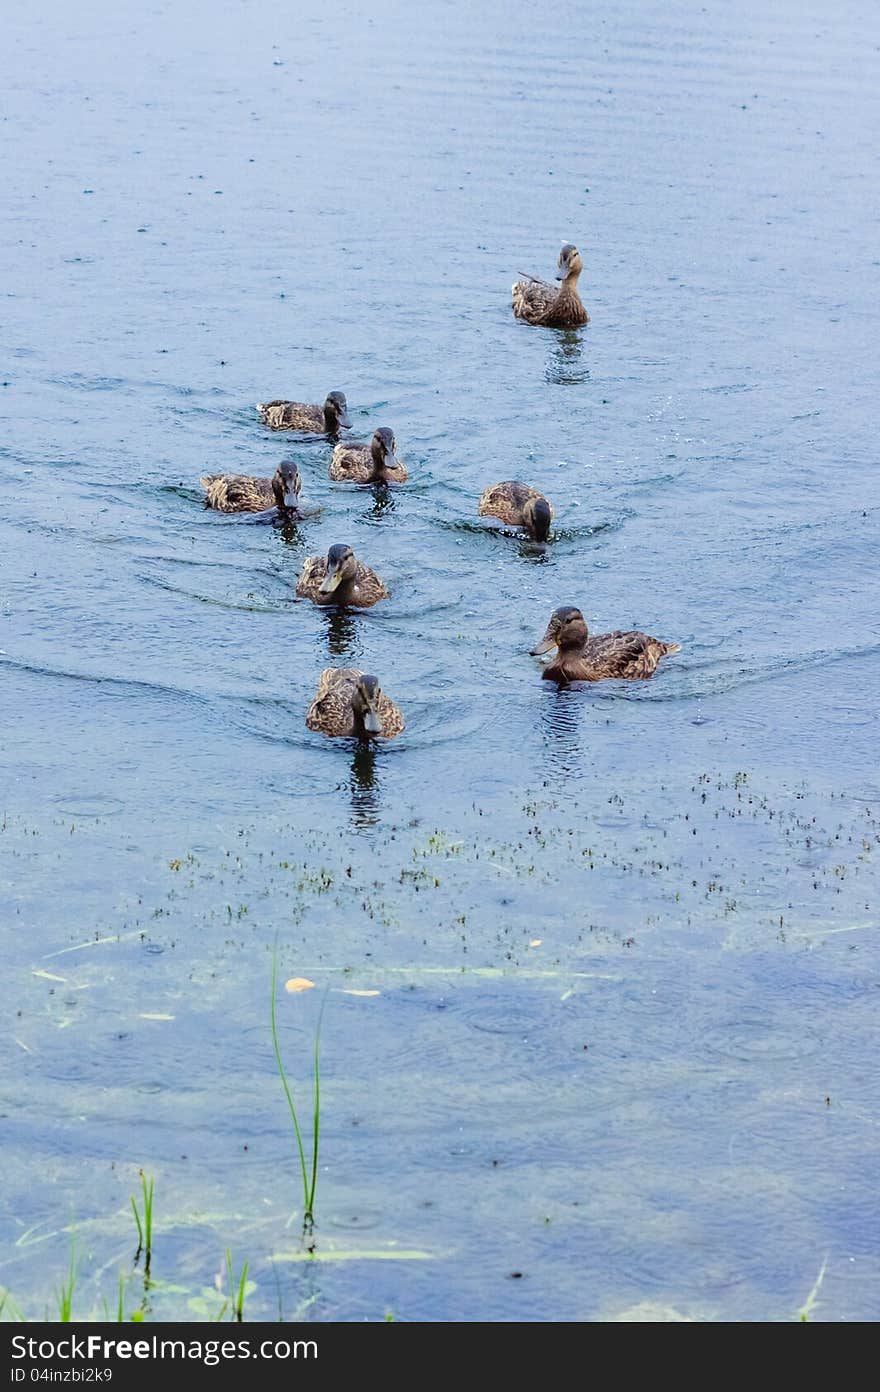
384 503
562 719
289 528
536 552
364 787
564 363
341 632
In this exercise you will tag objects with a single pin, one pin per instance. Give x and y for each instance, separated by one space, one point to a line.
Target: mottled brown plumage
241 493
376 462
518 505
632 656
340 578
543 304
350 702
297 415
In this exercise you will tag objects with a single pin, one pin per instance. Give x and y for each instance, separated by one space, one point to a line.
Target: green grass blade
236 1297
65 1298
241 1290
137 1219
812 1299
148 1210
284 1083
316 1119
8 1304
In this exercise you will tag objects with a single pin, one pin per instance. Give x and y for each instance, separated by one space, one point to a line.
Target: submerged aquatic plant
145 1227
309 1173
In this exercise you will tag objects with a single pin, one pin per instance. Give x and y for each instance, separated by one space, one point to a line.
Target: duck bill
372 723
342 420
332 580
291 500
544 646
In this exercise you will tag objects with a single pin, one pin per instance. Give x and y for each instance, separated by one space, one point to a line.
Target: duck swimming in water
580 657
328 419
518 505
240 493
349 702
340 578
542 304
376 462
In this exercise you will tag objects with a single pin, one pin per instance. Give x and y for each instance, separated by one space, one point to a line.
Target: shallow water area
598 967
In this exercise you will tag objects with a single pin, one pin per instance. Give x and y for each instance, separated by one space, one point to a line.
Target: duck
328 419
240 493
340 578
351 702
376 462
632 656
518 505
540 303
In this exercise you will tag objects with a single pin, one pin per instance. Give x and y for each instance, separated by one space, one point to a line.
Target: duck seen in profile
518 505
632 655
350 702
328 419
376 462
241 493
340 578
539 303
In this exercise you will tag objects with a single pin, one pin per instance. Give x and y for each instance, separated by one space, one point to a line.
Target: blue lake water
618 1059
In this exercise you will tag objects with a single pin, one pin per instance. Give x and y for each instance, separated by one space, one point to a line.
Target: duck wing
506 501
291 415
391 717
237 493
310 581
368 586
632 654
532 299
351 463
330 712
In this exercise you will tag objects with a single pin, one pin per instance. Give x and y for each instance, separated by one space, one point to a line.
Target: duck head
383 448
563 629
341 566
365 704
537 518
287 486
570 263
336 413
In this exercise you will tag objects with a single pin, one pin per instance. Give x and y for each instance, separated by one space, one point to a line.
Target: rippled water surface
618 1056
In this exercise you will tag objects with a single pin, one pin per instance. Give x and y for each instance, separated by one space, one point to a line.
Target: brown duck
540 303
632 656
340 578
328 419
349 702
240 493
517 505
376 462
